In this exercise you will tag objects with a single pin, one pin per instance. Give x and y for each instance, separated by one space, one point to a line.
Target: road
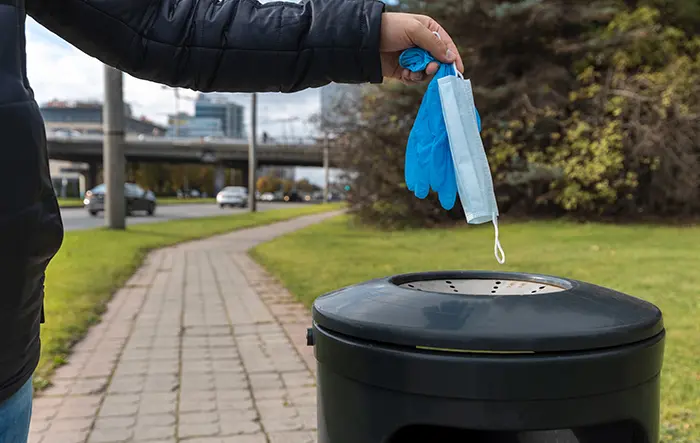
78 218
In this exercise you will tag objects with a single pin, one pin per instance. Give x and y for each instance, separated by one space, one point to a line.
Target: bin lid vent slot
475 286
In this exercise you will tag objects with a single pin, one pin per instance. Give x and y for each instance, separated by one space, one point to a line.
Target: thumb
424 38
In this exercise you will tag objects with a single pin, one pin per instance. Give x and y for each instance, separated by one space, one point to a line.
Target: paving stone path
201 346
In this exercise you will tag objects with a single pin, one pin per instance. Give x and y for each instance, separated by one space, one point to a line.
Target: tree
165 179
305 185
373 146
268 183
287 185
588 108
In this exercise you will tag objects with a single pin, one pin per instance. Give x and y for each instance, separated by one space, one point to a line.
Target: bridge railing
130 138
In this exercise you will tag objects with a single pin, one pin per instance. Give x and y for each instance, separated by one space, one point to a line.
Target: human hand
401 31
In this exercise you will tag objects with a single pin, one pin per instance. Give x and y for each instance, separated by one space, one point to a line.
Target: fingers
421 36
401 31
417 76
412 78
451 47
392 69
432 68
409 78
447 41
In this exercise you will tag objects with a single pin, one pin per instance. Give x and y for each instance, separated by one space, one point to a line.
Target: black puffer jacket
206 45
225 45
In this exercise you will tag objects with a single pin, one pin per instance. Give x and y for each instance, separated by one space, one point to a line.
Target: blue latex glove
417 59
428 157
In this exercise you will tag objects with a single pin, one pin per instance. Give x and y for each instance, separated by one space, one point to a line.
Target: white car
267 197
232 196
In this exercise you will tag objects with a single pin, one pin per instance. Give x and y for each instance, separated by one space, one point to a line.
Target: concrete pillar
113 148
326 170
252 161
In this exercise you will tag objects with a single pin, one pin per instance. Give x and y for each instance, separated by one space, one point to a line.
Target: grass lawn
92 264
659 264
78 203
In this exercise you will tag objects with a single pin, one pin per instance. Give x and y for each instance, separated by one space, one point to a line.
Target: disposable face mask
472 172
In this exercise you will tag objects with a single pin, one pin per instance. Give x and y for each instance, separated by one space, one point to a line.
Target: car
232 196
136 199
267 197
292 196
66 133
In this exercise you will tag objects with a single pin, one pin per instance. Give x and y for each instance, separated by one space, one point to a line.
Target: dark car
137 199
293 196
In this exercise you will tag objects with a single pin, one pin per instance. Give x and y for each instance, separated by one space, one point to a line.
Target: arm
225 45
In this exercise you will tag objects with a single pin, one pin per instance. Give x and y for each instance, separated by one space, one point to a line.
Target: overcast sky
58 70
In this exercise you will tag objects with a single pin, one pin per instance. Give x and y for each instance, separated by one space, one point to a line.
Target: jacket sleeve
225 45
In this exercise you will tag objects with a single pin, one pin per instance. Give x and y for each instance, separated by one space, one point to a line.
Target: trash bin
475 357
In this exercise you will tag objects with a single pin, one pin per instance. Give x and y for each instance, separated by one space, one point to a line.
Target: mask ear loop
454 64
497 249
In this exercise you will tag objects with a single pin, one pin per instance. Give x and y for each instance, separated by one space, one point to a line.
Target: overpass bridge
222 152
227 152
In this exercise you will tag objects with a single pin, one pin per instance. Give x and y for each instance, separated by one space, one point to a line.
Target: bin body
399 364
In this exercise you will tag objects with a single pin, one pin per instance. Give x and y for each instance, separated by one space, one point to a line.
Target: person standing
204 45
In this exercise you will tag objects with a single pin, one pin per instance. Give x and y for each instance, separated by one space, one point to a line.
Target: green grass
92 264
659 264
70 203
78 203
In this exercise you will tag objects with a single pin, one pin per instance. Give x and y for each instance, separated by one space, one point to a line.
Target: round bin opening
484 286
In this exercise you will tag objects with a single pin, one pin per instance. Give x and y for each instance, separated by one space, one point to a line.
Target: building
86 118
68 178
77 118
184 125
220 107
176 122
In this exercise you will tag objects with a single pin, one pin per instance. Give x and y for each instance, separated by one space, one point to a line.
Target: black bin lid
477 311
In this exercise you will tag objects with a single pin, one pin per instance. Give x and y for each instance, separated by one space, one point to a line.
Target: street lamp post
177 112
326 156
113 148
176 117
252 163
326 168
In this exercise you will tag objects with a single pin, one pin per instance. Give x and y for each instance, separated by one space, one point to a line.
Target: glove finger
415 59
448 193
422 190
437 165
410 162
